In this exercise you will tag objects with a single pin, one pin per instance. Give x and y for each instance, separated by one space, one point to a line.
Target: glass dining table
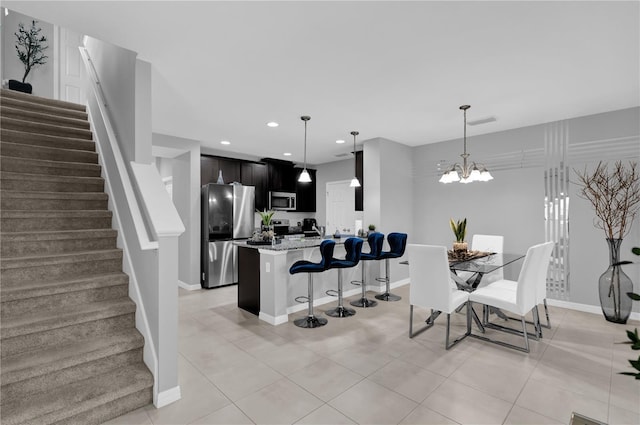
478 264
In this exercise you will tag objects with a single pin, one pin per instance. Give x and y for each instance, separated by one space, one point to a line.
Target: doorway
340 202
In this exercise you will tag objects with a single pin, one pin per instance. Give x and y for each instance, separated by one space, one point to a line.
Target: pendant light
355 182
304 175
466 173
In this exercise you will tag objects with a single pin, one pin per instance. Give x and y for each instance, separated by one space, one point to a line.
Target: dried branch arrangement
615 196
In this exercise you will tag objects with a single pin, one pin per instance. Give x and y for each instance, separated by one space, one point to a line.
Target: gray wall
41 78
513 203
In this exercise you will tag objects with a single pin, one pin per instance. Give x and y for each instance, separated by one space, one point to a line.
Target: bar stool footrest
332 293
302 299
356 282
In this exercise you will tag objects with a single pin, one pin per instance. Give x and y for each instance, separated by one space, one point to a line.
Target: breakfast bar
266 288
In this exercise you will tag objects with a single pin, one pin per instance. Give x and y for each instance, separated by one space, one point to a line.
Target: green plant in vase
634 338
460 231
266 217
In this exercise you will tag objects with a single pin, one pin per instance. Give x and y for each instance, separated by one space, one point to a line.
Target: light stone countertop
286 245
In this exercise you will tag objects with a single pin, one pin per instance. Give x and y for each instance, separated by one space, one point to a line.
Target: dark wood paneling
305 192
210 166
249 280
255 174
359 192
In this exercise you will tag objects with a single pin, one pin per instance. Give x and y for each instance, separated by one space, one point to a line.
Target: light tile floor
235 369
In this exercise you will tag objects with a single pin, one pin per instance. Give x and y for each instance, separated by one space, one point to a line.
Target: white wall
513 203
41 77
180 158
116 68
331 172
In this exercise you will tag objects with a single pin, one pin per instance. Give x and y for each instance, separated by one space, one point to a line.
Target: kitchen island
266 288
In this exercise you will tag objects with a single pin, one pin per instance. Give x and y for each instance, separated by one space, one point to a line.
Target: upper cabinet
211 166
305 192
360 175
281 175
255 174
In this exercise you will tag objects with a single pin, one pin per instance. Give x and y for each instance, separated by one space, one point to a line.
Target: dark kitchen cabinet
305 192
210 167
360 175
255 174
281 175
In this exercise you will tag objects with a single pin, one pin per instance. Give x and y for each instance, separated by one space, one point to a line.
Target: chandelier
466 173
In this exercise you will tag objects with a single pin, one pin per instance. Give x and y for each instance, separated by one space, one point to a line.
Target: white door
341 214
70 84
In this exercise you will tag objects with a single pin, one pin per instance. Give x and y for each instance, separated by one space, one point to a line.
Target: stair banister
144 206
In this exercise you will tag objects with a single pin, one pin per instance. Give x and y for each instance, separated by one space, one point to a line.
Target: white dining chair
541 292
431 287
521 300
486 243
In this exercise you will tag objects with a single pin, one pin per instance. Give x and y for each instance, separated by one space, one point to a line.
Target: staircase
69 349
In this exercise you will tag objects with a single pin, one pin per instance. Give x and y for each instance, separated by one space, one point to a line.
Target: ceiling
397 70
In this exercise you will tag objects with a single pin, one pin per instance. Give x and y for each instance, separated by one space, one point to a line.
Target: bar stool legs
311 321
340 310
387 296
364 301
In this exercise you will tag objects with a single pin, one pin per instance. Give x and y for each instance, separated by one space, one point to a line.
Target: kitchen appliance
310 228
227 215
280 226
282 201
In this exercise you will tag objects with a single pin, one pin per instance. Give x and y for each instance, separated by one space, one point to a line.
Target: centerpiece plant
460 231
615 197
266 217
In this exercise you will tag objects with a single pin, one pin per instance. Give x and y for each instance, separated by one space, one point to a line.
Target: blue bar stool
397 244
304 266
375 241
353 246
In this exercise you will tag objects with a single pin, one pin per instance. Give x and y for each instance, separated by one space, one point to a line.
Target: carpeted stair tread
8 102
69 214
12 94
74 399
42 361
67 257
54 319
7 175
13 194
21 137
45 128
49 168
23 290
45 242
43 117
19 150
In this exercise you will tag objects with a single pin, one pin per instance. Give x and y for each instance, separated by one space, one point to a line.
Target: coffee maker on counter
310 228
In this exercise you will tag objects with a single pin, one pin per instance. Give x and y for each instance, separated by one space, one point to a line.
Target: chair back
397 243
326 250
375 240
541 293
488 243
532 275
429 277
353 247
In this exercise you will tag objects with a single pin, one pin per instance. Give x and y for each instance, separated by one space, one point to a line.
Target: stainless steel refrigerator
227 215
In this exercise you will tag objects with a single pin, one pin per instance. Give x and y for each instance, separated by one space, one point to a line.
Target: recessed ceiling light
287 154
225 142
272 124
340 141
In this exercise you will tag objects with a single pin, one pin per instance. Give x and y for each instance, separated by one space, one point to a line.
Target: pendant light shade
304 175
466 173
354 182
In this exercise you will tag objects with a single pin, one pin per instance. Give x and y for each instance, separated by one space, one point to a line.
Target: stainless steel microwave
283 201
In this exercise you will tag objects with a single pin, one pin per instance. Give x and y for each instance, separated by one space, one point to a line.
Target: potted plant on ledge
30 48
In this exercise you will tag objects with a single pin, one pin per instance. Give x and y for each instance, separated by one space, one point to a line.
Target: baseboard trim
188 287
277 320
593 309
167 397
